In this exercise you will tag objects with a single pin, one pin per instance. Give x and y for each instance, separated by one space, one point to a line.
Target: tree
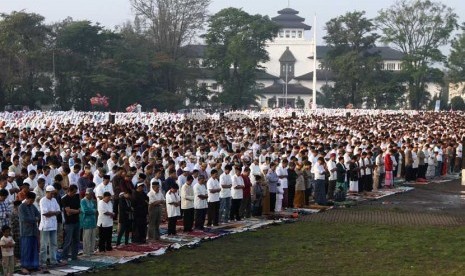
418 29
456 60
236 45
80 46
170 24
350 38
457 103
25 62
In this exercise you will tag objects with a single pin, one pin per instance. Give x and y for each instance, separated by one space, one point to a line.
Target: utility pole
314 65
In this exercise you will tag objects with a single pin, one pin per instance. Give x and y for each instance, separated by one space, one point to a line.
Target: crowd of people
70 177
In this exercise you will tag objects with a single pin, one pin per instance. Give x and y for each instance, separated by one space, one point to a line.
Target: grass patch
307 248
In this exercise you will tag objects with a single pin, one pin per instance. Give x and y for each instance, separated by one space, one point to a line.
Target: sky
111 13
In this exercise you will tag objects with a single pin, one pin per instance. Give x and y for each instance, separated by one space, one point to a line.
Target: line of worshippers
224 193
46 172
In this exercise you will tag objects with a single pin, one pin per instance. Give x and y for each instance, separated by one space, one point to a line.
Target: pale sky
111 13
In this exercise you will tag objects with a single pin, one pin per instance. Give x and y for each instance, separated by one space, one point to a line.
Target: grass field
307 248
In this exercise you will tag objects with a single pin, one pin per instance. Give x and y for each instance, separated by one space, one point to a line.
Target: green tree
456 60
418 28
350 37
25 61
80 52
235 48
457 103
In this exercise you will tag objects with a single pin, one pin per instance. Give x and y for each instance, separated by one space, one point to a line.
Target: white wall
300 48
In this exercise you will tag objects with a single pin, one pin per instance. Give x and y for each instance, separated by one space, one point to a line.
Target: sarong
29 252
389 179
353 186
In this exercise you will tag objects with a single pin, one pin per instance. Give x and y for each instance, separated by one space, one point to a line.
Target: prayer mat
305 211
83 262
200 234
142 248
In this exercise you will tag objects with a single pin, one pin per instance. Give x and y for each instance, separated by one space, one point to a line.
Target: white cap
11 174
50 188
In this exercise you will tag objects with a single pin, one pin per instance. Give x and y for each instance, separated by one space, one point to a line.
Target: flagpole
314 64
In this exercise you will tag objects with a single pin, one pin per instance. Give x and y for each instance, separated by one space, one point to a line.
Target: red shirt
247 186
388 162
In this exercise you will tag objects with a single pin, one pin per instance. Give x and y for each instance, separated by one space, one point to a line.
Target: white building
291 62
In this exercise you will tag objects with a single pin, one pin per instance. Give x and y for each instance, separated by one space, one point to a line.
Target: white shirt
237 181
213 184
319 171
187 197
104 207
32 183
48 205
182 179
154 196
101 189
198 202
280 171
225 179
11 197
31 167
97 179
73 178
173 211
332 165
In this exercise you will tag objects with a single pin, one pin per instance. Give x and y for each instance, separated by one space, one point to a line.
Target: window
281 33
299 34
203 85
289 73
399 66
390 66
288 34
214 86
293 34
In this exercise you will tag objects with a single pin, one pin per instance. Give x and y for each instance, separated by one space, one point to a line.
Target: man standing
187 204
281 171
237 194
49 209
273 181
140 203
200 202
172 206
225 194
28 218
72 208
105 222
213 186
246 204
388 166
88 222
5 208
156 201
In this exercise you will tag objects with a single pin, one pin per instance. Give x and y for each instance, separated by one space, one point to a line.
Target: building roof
292 89
208 73
386 53
287 56
321 75
288 18
194 50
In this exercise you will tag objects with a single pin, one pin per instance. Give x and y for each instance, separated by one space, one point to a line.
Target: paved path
441 204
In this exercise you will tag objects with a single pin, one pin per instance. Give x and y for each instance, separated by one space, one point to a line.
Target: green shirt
88 216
